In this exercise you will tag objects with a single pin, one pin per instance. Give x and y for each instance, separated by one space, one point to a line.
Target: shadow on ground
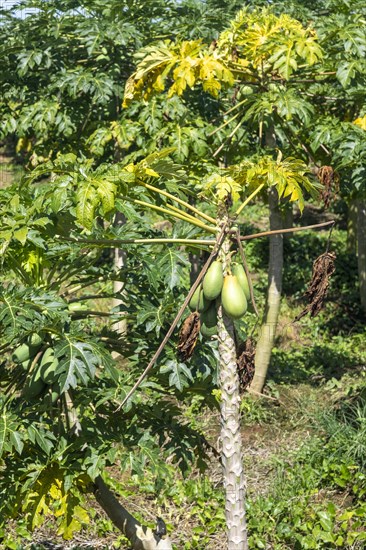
313 365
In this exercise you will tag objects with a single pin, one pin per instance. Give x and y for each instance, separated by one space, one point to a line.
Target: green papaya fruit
27 350
21 354
33 386
48 366
239 272
213 281
209 321
51 397
35 340
77 306
233 298
26 364
198 301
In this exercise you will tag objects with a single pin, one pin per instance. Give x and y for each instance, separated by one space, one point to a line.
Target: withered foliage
245 362
330 179
188 335
323 268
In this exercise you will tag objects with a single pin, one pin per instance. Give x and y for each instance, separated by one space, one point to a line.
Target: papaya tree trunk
272 309
352 226
231 443
140 537
361 245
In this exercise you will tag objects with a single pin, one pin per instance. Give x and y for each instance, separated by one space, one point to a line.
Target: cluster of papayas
43 373
232 289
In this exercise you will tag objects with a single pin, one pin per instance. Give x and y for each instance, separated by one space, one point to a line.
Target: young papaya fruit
21 354
26 364
51 397
33 386
27 350
233 298
239 272
35 340
48 366
77 306
198 301
213 281
209 321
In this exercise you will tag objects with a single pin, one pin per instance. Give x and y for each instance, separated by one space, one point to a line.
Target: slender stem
228 139
21 271
181 216
117 242
235 107
290 230
179 201
188 216
243 205
223 125
80 314
82 285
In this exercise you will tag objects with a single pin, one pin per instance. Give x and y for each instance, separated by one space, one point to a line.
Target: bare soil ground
6 170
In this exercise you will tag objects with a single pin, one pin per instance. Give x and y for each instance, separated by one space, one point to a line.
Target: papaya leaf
179 374
42 437
223 187
91 193
77 363
171 266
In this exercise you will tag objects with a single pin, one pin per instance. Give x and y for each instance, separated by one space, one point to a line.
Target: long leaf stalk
179 201
180 216
84 285
223 125
228 139
180 211
192 242
118 242
20 270
235 107
248 199
289 230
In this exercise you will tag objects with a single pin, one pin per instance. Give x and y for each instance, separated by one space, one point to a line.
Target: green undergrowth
313 495
316 493
304 444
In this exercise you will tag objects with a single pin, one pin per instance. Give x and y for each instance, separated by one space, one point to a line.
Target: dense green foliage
87 159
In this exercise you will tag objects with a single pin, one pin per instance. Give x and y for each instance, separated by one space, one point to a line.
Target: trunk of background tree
352 226
197 259
140 537
361 245
231 453
119 263
272 310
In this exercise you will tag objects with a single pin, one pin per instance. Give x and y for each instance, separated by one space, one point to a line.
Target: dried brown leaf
330 179
323 268
245 362
188 335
